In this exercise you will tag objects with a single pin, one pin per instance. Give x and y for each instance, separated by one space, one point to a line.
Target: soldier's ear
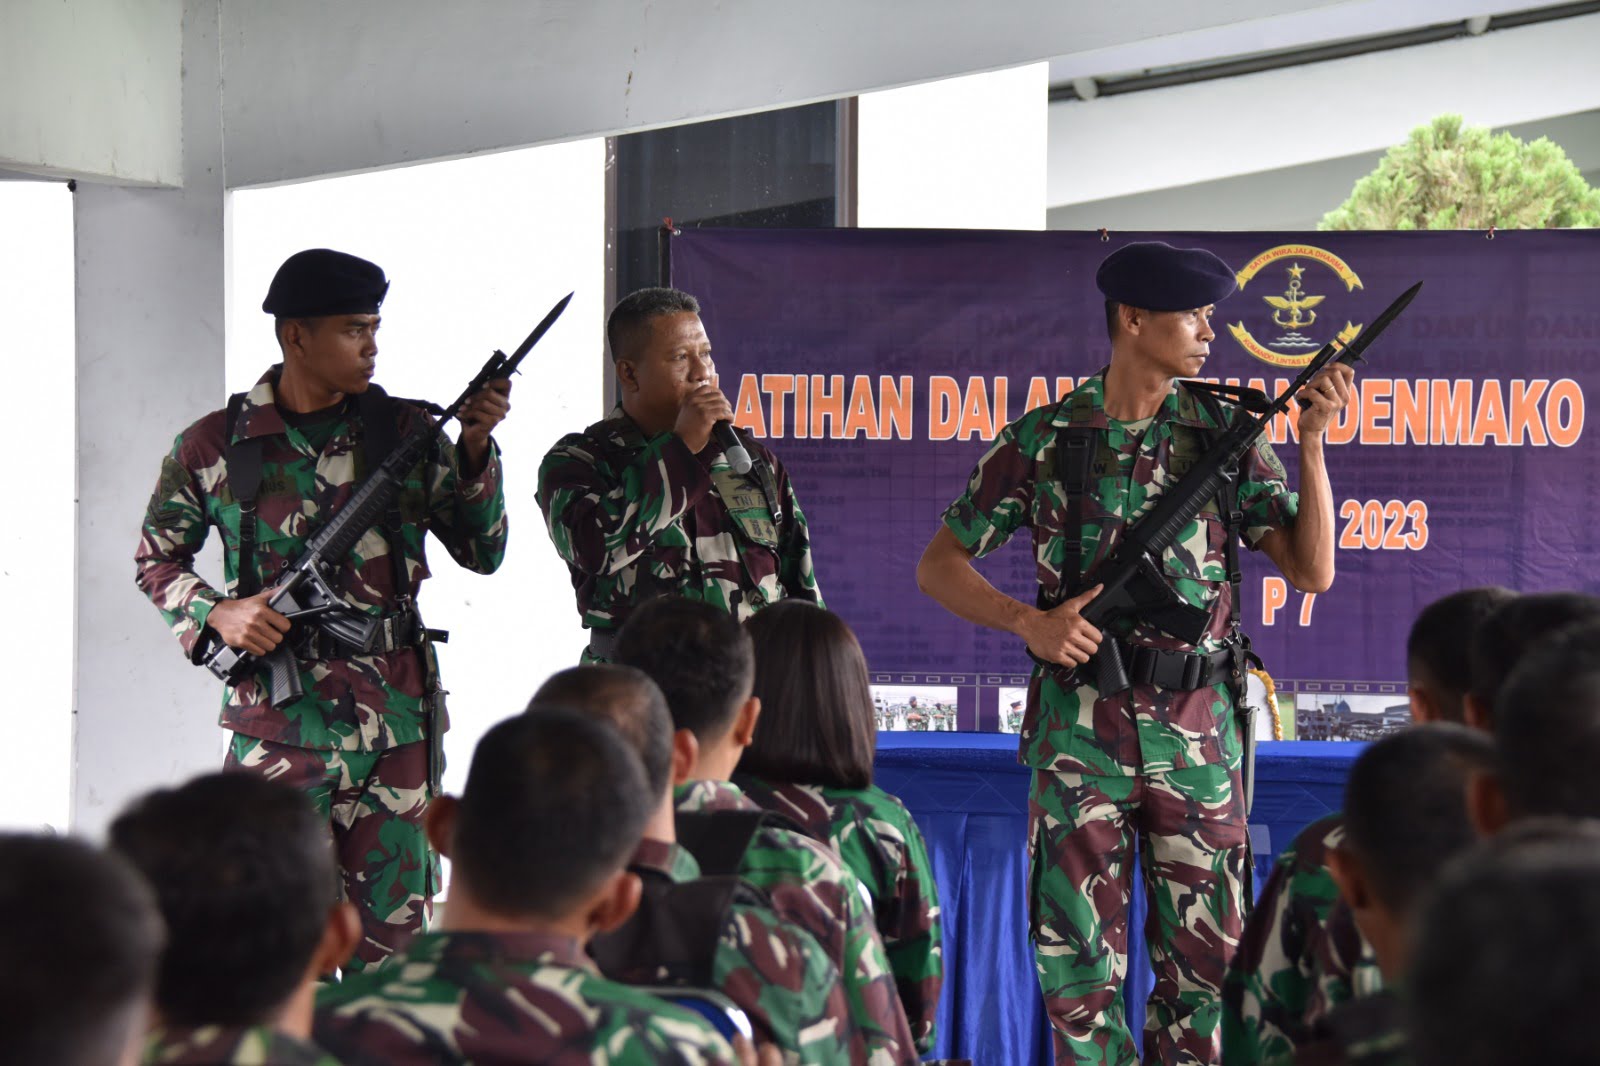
341 934
615 902
1130 319
1424 708
1486 803
744 723
685 753
440 823
627 374
1347 873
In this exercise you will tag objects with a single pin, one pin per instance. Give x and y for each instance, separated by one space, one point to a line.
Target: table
969 796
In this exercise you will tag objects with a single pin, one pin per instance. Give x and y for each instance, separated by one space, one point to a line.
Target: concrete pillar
150 317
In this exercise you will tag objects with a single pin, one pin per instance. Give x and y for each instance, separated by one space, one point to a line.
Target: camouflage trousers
373 802
1084 830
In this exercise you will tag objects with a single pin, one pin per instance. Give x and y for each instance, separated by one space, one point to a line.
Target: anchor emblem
1293 302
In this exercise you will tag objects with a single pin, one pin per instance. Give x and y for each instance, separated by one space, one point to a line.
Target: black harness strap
380 434
719 839
1074 453
243 461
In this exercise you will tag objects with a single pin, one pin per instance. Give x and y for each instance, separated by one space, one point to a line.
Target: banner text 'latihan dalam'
1438 411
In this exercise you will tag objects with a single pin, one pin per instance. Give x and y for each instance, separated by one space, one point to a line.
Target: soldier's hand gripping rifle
305 591
1134 585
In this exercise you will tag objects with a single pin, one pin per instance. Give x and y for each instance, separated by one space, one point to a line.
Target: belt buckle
1192 665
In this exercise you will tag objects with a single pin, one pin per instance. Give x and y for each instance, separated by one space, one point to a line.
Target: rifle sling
243 461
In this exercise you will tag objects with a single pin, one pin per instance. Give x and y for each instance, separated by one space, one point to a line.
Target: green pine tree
1451 176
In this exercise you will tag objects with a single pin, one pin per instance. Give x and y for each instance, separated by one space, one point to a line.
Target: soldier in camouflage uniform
1301 954
704 664
358 740
811 761
775 972
1154 768
645 503
241 868
553 806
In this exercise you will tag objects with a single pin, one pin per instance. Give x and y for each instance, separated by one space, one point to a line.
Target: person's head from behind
1507 954
1547 730
1405 816
1439 652
660 351
78 951
632 704
1508 633
244 871
554 805
816 724
704 663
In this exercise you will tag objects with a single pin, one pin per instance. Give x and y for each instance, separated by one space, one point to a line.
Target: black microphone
732 446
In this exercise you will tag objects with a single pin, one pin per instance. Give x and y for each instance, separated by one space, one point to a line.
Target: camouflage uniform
1150 766
227 1045
812 889
1369 1031
635 518
1301 955
878 841
505 998
355 741
775 972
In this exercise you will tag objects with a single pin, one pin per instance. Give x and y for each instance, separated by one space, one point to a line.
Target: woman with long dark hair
811 760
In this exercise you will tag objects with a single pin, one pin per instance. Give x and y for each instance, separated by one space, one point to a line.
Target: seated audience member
703 662
1405 813
553 806
1510 632
1547 728
775 972
245 876
811 760
78 947
1301 954
1506 960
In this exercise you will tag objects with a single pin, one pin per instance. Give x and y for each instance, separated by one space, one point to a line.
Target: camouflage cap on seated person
1155 276
320 281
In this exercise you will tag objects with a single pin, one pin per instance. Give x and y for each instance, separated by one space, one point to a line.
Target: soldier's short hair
1113 319
244 871
636 309
1515 627
1506 956
1405 807
1547 725
78 951
555 803
1439 647
817 725
700 657
628 701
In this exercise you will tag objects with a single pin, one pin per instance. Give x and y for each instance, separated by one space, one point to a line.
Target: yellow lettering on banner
1411 412
894 408
1564 393
1452 409
1525 417
976 419
1038 394
747 412
944 407
827 404
1490 421
777 386
862 421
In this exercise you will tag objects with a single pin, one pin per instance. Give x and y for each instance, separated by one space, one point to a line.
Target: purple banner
880 363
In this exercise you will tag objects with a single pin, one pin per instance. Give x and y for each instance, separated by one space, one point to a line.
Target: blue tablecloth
969 796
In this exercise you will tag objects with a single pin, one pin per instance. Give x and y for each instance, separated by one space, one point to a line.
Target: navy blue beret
320 281
1155 276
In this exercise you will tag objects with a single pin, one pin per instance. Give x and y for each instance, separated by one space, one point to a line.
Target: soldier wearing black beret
1152 771
269 470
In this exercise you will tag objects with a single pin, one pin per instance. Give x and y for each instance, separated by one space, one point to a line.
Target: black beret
1155 276
320 281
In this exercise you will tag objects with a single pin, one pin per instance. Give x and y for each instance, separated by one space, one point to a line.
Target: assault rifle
1134 586
305 592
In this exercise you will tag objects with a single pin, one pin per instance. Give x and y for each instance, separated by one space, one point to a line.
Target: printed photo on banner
1013 705
1349 716
915 708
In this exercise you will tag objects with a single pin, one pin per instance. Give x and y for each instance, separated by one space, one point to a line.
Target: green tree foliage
1448 175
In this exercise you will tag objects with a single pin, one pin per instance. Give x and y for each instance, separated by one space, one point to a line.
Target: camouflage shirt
775 972
363 703
877 839
1015 486
634 518
504 998
811 888
1301 955
1368 1031
227 1045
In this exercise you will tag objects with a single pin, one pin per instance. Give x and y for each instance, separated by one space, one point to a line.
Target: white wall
477 250
36 558
90 88
318 88
1164 138
962 153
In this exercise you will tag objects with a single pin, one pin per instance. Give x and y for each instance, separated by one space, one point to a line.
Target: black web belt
402 629
1177 671
603 644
